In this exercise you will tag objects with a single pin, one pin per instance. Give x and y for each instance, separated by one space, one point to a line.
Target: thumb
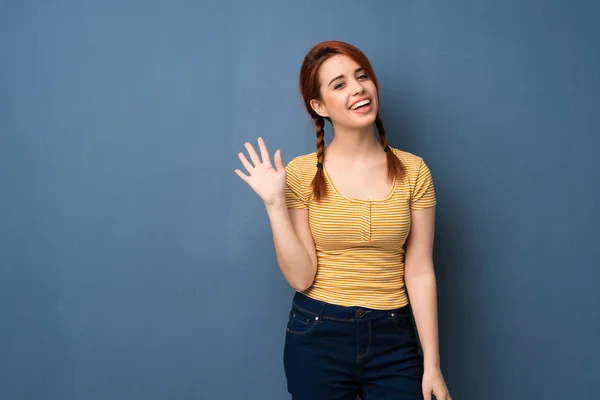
278 161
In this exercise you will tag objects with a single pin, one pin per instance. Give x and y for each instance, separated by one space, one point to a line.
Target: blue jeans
336 353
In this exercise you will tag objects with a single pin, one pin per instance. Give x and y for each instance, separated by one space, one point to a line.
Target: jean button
360 313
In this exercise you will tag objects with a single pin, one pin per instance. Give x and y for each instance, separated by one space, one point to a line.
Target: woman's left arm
420 281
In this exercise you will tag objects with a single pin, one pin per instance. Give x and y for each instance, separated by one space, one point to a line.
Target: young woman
353 226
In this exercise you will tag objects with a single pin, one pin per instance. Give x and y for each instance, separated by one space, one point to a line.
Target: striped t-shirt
360 243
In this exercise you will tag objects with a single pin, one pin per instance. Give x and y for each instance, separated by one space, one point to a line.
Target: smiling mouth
360 104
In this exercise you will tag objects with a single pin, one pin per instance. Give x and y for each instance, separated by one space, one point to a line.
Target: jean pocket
402 320
300 322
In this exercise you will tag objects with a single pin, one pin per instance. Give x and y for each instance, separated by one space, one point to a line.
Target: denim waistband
324 310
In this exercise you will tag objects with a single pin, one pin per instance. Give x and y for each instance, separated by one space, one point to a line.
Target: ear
319 108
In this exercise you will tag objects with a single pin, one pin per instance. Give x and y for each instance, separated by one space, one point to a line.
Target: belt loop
321 311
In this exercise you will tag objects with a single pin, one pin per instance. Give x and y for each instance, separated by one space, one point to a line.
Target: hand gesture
433 383
266 181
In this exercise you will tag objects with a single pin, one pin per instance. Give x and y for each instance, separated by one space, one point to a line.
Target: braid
320 131
318 182
395 167
381 130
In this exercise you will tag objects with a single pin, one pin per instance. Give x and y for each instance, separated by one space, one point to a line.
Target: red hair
310 89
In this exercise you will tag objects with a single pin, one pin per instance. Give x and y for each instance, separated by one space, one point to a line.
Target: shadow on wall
408 117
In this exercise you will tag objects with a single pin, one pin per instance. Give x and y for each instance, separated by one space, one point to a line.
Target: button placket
365 222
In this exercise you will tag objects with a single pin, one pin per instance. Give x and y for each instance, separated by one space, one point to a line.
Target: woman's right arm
294 245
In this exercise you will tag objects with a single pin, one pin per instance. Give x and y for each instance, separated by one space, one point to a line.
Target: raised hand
266 181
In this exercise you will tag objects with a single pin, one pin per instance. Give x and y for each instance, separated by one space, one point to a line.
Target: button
366 218
366 205
360 313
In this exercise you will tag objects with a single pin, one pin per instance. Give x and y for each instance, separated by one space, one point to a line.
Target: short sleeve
294 193
423 194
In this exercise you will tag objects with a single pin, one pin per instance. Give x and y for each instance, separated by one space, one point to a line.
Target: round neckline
355 200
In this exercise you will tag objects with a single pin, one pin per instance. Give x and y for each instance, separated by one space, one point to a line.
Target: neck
354 143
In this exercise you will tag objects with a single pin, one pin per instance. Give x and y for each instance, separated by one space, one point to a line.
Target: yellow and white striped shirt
360 243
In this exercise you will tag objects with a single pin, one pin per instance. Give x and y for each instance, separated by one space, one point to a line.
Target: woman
353 226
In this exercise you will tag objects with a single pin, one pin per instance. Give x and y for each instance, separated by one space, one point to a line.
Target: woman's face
348 94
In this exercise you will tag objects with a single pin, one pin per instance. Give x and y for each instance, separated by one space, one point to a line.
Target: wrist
431 360
432 366
276 205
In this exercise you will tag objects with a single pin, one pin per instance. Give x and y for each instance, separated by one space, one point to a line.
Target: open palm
268 182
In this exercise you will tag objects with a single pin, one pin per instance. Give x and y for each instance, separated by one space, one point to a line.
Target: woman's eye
363 76
338 85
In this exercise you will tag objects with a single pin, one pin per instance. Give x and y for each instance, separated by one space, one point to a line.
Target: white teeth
360 103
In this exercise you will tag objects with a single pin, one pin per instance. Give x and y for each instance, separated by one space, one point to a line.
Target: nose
357 88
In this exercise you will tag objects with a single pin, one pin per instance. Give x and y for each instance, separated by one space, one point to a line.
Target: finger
245 162
244 177
427 395
444 395
264 152
252 153
278 161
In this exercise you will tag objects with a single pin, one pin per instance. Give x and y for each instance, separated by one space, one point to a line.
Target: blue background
134 263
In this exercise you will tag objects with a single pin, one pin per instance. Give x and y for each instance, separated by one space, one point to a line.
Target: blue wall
134 264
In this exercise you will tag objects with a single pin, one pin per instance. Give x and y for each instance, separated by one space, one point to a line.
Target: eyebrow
341 76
